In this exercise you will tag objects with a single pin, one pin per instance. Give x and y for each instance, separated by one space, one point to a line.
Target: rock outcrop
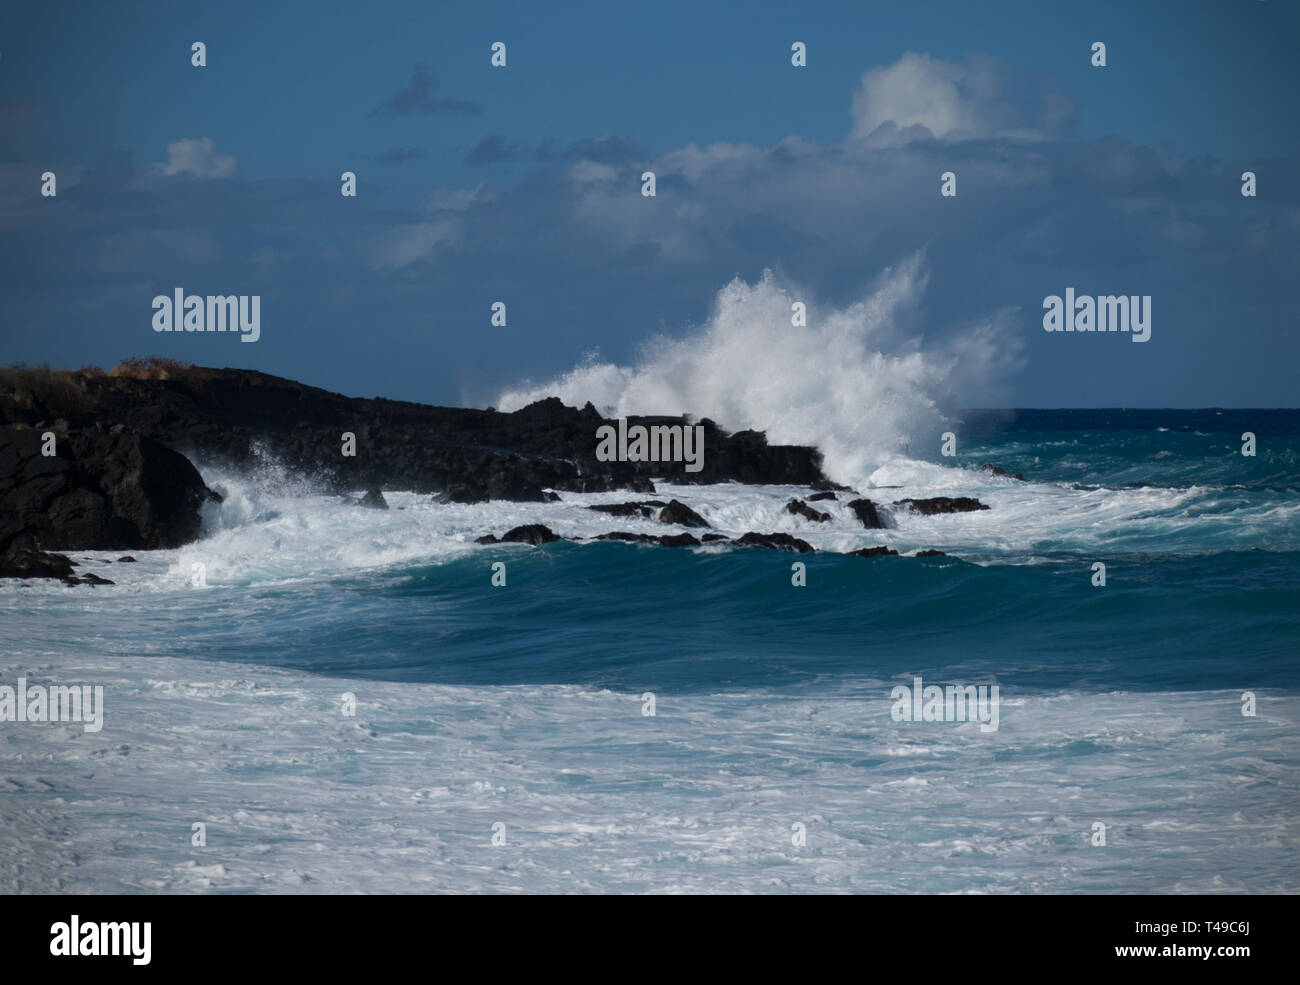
873 552
530 533
682 515
799 508
999 470
100 489
668 540
865 510
462 454
644 510
942 504
777 541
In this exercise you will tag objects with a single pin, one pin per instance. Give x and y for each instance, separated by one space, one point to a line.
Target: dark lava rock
607 483
90 578
670 540
678 540
779 542
374 499
999 470
681 514
710 538
465 454
799 508
866 512
499 480
24 562
825 485
101 490
487 539
930 554
530 533
872 552
943 504
818 497
644 509
126 560
629 537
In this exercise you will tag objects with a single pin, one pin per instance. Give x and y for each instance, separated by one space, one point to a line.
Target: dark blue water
1203 586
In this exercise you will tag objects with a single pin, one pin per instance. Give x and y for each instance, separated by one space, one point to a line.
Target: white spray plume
854 382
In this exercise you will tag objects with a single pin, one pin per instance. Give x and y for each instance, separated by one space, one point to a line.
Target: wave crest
856 381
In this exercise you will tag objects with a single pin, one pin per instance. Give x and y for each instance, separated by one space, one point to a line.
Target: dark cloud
493 149
572 243
402 155
416 98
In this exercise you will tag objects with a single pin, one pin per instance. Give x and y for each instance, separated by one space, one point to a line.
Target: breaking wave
858 382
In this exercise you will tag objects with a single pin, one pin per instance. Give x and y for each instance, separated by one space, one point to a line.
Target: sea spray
851 381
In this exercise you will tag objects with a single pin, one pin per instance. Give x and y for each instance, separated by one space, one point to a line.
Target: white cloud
198 158
455 199
411 242
949 99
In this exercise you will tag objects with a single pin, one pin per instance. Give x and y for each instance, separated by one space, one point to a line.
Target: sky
522 184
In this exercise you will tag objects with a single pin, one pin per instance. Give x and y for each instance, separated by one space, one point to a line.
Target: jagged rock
942 504
23 562
873 552
678 540
799 508
778 541
487 539
629 537
999 470
644 509
866 512
930 553
668 540
465 455
374 499
99 491
530 533
498 481
682 515
128 559
606 483
90 578
710 538
818 497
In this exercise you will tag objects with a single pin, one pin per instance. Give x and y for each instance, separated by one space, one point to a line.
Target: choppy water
523 705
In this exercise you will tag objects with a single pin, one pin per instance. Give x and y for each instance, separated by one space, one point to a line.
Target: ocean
502 738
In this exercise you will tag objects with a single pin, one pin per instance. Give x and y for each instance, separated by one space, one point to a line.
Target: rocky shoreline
94 460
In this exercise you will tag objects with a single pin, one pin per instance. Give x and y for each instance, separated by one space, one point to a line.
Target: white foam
854 382
265 533
298 798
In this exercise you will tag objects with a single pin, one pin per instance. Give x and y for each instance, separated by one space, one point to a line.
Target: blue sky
521 184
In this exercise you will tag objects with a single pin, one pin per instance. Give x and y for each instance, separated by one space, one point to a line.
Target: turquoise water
525 704
628 617
1203 588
